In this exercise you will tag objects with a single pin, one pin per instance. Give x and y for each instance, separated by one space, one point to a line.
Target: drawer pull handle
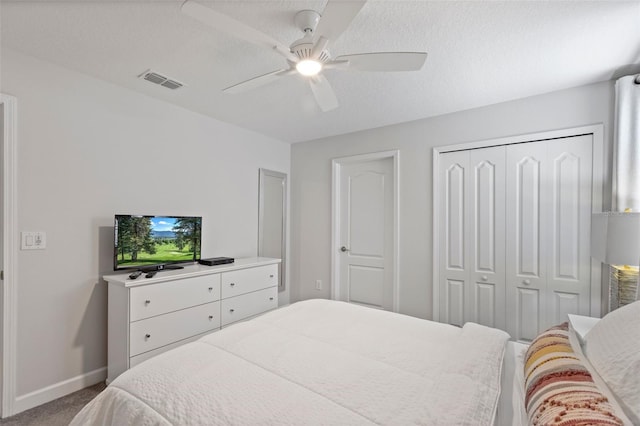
210 288
210 317
271 276
146 302
147 336
231 310
271 298
232 284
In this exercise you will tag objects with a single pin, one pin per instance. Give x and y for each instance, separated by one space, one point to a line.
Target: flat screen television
155 242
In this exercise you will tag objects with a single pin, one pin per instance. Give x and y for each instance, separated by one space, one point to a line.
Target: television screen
150 242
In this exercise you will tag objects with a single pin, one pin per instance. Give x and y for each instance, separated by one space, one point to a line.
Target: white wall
311 180
87 150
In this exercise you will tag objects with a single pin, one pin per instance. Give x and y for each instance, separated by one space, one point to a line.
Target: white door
453 280
2 243
366 232
8 250
486 292
548 233
472 277
514 234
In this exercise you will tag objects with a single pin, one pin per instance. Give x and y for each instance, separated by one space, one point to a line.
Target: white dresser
148 316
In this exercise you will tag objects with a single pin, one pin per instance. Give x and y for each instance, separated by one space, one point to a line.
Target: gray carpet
55 413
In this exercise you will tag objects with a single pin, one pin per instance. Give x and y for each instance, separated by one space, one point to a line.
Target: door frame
336 167
10 251
597 186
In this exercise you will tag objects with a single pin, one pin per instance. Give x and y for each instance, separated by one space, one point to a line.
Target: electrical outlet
33 240
318 285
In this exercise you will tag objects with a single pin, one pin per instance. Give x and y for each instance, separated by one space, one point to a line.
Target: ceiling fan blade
336 17
385 61
257 81
234 28
324 94
336 65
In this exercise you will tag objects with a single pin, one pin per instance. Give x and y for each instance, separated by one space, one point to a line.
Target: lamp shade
615 238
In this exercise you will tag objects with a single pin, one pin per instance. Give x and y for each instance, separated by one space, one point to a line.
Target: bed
325 362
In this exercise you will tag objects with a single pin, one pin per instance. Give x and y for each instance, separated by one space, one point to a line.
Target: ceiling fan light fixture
309 67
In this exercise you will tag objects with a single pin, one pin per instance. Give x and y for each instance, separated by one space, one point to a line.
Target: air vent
160 79
171 84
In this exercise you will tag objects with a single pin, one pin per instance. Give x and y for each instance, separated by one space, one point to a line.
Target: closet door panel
569 177
487 304
563 305
453 244
525 223
526 195
455 302
528 311
486 185
455 218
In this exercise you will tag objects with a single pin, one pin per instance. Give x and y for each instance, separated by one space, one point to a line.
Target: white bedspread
315 362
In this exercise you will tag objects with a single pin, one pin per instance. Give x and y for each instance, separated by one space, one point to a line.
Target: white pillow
613 348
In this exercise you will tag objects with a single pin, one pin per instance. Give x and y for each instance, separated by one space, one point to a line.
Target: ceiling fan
309 56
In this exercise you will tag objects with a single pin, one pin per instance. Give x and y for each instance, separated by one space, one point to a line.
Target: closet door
453 268
548 203
569 242
486 195
472 269
525 256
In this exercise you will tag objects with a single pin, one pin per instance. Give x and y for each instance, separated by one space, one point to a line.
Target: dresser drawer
155 299
135 360
152 333
247 305
235 283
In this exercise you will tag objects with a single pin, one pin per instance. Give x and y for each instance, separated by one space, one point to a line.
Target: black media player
216 261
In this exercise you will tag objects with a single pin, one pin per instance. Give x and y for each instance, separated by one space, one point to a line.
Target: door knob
526 282
343 249
484 278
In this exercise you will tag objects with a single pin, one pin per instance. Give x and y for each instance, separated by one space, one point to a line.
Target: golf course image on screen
153 240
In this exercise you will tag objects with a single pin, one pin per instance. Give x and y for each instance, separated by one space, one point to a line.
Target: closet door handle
484 278
526 282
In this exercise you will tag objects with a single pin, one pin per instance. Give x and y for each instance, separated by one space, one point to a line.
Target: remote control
135 275
150 274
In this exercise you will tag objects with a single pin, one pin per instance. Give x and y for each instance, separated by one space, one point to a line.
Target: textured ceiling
480 53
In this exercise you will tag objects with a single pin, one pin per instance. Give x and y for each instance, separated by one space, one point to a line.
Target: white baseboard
58 390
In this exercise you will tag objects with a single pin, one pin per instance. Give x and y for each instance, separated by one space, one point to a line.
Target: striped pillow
559 389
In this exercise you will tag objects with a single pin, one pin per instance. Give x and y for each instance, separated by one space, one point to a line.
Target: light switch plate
33 240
